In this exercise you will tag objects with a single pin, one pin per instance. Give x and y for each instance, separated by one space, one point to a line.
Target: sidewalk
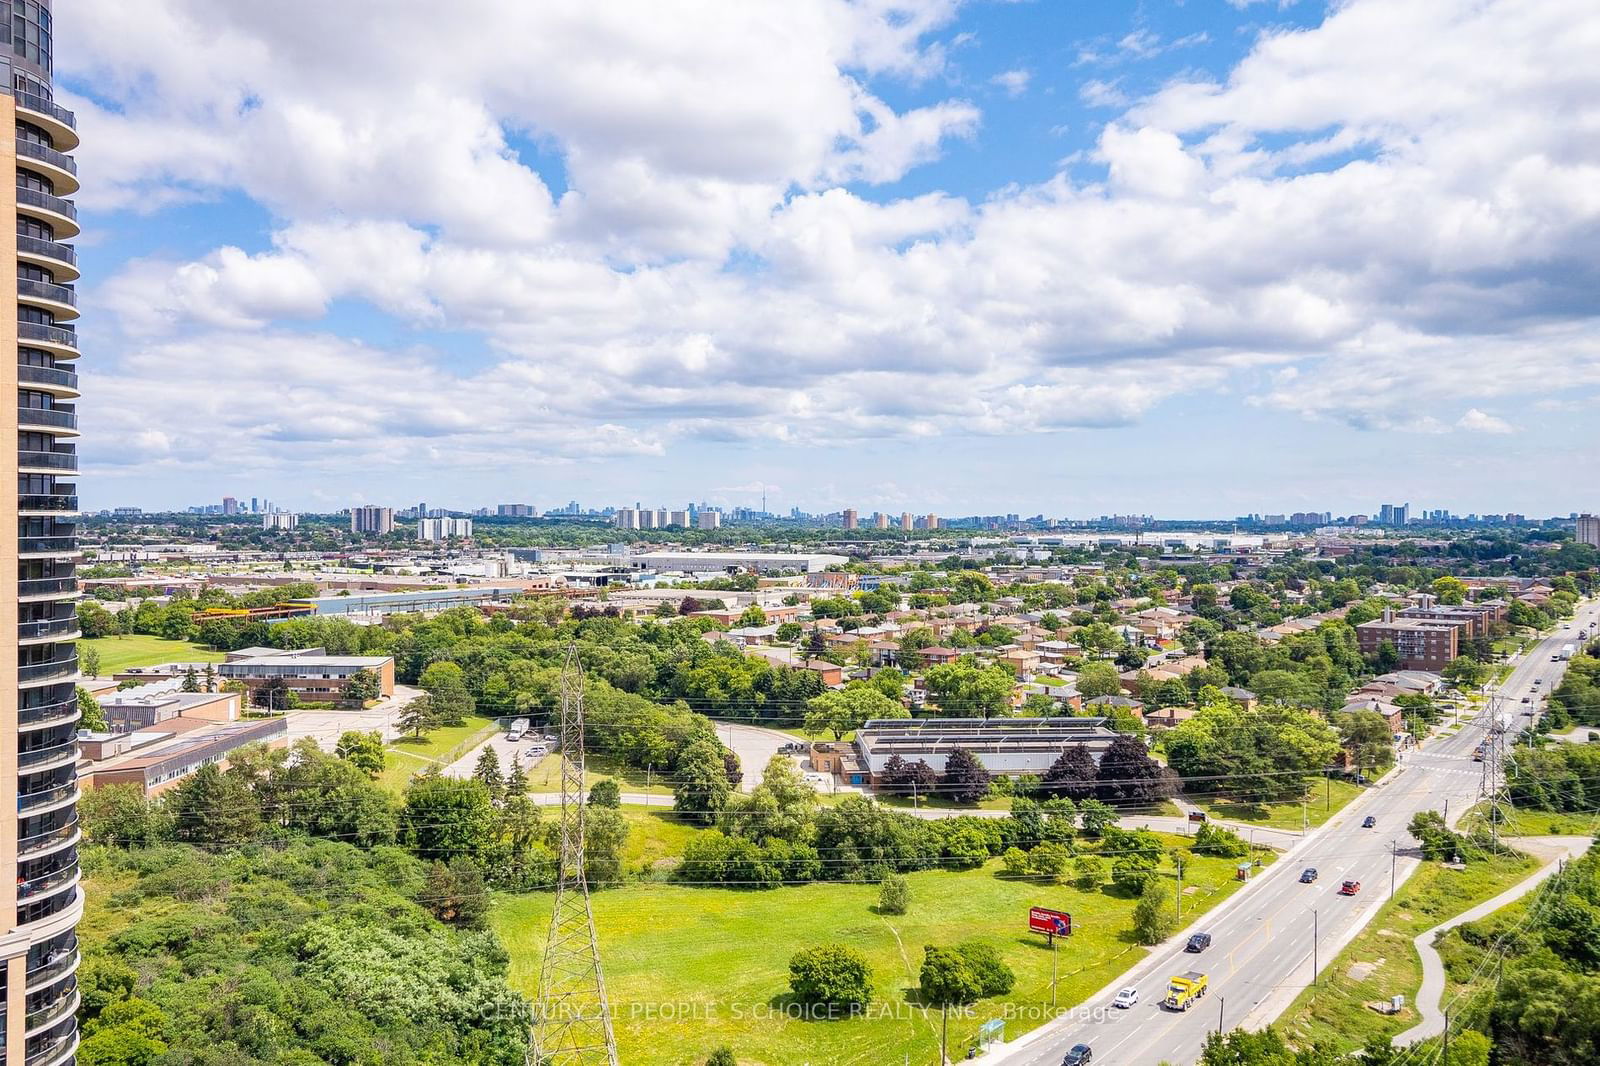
1427 1004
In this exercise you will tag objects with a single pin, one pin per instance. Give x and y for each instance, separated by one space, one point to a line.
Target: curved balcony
52 840
37 888
55 1051
64 713
42 588
48 799
60 669
47 1014
60 259
57 121
50 379
60 168
61 962
50 462
49 629
61 214
59 300
47 420
61 342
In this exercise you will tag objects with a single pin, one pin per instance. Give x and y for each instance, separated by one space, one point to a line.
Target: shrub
894 896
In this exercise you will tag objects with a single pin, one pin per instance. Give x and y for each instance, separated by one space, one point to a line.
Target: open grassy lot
409 756
119 653
1322 801
1385 960
691 968
1522 822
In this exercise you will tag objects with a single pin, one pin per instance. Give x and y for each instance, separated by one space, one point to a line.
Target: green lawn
1336 1012
1321 802
407 757
119 653
690 968
1525 822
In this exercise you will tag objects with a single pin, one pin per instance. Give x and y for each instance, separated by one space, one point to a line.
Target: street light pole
1314 967
1221 1002
1393 853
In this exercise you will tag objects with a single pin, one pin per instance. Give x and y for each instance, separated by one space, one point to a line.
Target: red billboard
1045 920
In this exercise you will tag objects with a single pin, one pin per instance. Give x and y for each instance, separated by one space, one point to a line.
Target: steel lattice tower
573 1023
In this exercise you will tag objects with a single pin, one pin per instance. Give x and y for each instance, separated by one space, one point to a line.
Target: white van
518 728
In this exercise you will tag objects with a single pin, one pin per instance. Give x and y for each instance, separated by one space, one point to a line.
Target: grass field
119 653
1336 1012
407 757
689 968
1322 802
1520 822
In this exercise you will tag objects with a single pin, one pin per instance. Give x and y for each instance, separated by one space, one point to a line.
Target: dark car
1198 942
1080 1055
1308 875
1368 822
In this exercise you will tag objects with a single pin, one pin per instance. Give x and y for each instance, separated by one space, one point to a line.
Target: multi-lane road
1270 938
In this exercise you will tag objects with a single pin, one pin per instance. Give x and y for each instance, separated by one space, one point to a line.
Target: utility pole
1393 854
1221 1002
1055 970
1178 861
572 1026
1445 1060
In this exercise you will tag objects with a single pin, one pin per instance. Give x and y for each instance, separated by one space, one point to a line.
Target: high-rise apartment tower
40 900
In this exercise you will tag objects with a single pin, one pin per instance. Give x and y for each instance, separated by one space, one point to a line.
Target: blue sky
1196 258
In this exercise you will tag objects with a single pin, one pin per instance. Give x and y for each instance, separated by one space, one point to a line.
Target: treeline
1577 699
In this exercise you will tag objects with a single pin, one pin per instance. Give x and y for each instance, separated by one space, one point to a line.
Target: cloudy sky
1190 258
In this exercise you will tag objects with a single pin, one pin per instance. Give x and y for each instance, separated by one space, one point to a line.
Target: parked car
1126 998
1199 942
1080 1055
1308 875
1349 888
1368 822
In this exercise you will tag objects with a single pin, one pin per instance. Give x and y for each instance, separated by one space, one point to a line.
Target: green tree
965 691
191 681
446 818
1098 679
831 976
1088 873
211 807
1367 737
487 772
1049 860
946 981
894 895
1450 590
89 660
722 1056
995 978
1154 916
91 715
841 710
753 616
446 686
456 893
516 778
1072 775
363 686
702 787
964 779
417 717
605 793
362 750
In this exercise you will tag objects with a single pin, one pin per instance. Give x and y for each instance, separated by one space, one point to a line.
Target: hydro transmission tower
573 1023
1492 786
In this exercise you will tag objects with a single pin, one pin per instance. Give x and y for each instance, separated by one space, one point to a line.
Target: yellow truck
1184 990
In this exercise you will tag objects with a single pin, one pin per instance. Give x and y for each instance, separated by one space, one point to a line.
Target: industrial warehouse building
1008 746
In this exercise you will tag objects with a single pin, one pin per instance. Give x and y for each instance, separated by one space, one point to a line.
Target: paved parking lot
325 727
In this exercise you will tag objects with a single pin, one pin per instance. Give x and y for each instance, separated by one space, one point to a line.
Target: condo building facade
40 898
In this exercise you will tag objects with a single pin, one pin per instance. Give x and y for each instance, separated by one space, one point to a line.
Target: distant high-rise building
906 521
708 519
850 518
1589 530
281 520
432 530
230 505
43 893
626 518
516 510
932 521
647 519
375 520
880 520
679 519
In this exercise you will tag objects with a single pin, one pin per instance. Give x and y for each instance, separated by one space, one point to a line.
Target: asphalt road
1262 939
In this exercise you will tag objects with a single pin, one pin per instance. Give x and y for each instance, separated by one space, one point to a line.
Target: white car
1126 998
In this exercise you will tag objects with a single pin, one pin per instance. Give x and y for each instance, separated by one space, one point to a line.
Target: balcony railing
64 628
44 290
61 961
47 416
38 331
38 842
64 667
53 1052
35 887
49 156
46 586
46 375
27 801
63 253
34 102
59 1006
48 460
39 501
48 715
47 202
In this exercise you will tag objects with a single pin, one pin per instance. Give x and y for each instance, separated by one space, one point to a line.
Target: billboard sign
1045 920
